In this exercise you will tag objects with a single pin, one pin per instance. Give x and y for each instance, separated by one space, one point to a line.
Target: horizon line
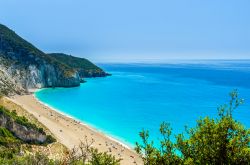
164 61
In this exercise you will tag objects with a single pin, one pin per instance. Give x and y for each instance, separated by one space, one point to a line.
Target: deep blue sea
141 96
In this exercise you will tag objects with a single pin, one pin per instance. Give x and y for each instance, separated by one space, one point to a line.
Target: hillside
39 147
84 67
24 67
17 149
18 129
18 134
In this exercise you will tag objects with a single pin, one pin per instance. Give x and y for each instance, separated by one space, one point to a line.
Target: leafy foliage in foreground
30 159
84 154
212 141
6 137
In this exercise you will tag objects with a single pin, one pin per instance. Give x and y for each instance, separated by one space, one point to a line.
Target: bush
31 159
85 154
19 119
102 158
24 122
212 141
50 139
7 138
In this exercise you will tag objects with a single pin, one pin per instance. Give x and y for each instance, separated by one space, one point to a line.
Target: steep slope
84 67
29 67
24 67
21 128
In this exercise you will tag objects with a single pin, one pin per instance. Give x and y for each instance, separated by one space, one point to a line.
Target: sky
133 30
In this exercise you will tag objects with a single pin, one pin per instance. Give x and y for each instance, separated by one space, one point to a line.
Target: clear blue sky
128 30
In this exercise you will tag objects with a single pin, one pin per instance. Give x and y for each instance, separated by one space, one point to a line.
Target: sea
141 96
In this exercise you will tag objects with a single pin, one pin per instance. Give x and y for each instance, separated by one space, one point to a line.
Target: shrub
50 139
7 138
19 119
85 154
213 141
102 158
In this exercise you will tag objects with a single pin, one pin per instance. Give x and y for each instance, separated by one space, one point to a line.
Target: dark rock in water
108 74
82 80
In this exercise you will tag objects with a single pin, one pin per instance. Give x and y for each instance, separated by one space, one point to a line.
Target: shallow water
139 96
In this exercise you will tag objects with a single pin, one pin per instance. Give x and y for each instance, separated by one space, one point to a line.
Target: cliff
24 67
84 67
21 128
20 131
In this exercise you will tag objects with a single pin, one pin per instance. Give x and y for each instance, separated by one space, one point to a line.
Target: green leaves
84 67
213 141
146 148
102 158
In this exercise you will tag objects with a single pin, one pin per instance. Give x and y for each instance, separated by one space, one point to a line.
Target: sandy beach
71 132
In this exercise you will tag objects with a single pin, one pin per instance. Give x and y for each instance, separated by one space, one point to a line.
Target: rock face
8 85
22 132
47 75
31 76
24 67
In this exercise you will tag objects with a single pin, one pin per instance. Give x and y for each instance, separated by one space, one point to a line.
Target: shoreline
71 131
83 123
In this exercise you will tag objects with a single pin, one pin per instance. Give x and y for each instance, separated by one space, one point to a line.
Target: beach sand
71 132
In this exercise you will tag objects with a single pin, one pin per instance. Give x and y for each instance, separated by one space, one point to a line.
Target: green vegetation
34 159
12 156
19 119
13 150
18 57
84 67
16 43
84 154
11 147
9 144
212 141
6 137
13 45
98 158
24 122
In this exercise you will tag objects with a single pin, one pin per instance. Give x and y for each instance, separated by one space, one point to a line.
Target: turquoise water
140 96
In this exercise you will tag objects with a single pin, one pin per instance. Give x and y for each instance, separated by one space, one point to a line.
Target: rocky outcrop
24 67
8 85
22 132
47 75
92 73
84 67
20 78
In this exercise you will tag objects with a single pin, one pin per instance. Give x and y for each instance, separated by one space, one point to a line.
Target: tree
86 154
102 158
213 141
